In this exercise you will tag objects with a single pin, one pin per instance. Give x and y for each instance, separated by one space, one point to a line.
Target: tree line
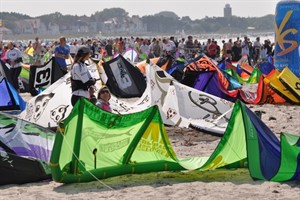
163 22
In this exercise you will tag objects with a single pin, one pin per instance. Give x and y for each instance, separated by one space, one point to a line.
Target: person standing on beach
81 79
236 52
245 49
14 59
156 49
227 49
257 47
37 47
62 53
109 48
3 53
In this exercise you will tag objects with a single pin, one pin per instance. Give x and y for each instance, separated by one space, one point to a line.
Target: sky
195 9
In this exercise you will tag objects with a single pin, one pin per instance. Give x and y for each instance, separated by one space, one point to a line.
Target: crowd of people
185 48
83 49
148 47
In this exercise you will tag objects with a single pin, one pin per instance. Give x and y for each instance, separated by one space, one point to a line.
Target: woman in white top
14 59
81 79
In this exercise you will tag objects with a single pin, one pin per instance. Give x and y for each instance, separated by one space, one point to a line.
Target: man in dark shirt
189 45
267 45
108 48
236 52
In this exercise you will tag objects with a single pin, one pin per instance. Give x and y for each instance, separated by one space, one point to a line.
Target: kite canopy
10 99
25 151
124 80
92 143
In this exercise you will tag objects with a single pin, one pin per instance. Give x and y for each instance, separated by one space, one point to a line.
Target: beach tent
93 144
124 79
10 99
25 151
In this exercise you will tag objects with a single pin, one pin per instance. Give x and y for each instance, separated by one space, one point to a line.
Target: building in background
227 11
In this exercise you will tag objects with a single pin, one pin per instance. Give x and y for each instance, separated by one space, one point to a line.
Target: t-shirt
61 50
137 47
181 48
156 49
103 105
170 46
245 48
73 49
13 55
212 49
257 45
81 73
108 49
144 48
37 47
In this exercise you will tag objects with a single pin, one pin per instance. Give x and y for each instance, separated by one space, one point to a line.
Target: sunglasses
104 91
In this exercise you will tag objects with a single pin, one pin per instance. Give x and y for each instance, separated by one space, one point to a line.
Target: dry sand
217 184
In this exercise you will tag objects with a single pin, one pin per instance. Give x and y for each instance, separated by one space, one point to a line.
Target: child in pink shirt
103 99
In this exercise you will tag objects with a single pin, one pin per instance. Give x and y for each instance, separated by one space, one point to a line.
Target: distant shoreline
268 34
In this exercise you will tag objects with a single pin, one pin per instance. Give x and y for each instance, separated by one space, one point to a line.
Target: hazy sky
195 9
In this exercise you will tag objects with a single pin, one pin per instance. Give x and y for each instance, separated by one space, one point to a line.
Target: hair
10 44
79 57
99 93
62 38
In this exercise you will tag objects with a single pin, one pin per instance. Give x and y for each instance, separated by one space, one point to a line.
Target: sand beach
216 184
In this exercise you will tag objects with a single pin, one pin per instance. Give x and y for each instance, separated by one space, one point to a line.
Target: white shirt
144 48
181 48
81 73
257 45
170 46
245 48
73 49
13 55
263 53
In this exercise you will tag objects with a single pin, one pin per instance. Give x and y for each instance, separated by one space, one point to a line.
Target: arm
59 55
84 75
63 56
